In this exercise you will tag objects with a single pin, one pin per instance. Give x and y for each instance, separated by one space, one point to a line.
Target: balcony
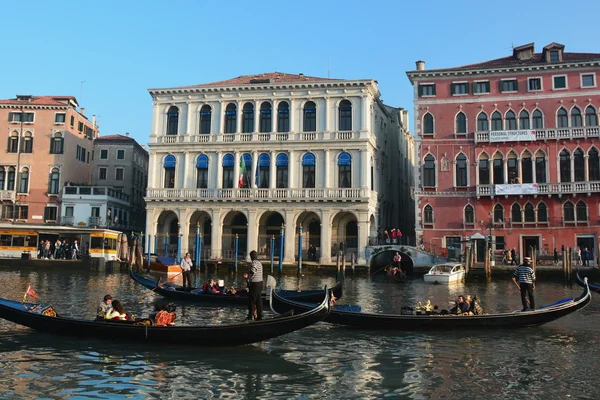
546 134
261 137
561 188
8 195
261 195
95 193
67 220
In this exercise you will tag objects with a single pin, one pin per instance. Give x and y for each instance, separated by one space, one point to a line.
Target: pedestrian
578 256
524 278
255 285
74 250
186 271
585 256
555 256
513 256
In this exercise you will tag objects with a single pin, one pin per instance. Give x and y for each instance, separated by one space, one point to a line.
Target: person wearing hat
526 283
255 285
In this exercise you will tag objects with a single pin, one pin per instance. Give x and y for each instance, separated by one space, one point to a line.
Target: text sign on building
512 136
523 188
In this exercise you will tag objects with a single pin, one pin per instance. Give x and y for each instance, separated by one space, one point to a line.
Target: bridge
382 255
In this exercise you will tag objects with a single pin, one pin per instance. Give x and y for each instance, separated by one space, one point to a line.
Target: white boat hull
445 279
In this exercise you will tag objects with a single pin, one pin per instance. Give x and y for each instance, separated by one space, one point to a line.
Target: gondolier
186 268
255 284
524 277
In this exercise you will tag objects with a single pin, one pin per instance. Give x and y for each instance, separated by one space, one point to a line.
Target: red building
509 147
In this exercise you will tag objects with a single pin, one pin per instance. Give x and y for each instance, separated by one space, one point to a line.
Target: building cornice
34 107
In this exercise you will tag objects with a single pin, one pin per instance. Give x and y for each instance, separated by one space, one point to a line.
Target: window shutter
452 88
467 88
516 84
8 144
474 87
500 86
434 89
420 90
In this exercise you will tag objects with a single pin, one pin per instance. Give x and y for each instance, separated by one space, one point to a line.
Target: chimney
420 65
301 74
94 120
127 134
82 111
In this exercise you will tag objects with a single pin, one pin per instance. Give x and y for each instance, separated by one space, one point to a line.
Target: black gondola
176 292
40 318
594 287
341 315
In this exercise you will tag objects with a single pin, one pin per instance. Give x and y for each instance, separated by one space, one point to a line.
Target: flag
242 171
30 292
256 176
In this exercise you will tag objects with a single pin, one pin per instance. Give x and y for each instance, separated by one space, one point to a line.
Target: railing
549 188
8 195
96 221
260 137
325 194
95 191
67 220
558 133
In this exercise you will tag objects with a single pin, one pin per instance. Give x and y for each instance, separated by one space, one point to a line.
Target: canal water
554 361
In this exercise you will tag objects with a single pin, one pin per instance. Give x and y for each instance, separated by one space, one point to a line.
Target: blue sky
120 49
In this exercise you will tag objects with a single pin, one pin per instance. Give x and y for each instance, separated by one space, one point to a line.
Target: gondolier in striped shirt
524 277
255 286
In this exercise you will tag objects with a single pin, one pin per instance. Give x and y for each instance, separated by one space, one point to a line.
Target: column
325 124
364 168
236 169
325 249
290 237
533 173
185 231
216 234
572 168
364 104
363 237
219 184
292 171
273 171
327 165
183 178
238 125
190 119
505 169
254 169
586 169
519 170
477 173
252 232
153 167
329 121
218 119
155 120
256 116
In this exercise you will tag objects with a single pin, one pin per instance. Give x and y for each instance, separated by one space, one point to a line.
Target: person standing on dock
526 283
255 285
186 271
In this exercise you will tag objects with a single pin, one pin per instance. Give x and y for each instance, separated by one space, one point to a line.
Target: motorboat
446 274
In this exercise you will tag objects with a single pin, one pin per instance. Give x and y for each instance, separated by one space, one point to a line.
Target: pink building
48 143
509 147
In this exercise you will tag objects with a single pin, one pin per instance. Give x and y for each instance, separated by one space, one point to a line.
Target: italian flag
242 172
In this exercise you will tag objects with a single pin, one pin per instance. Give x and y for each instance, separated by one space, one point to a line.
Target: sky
108 54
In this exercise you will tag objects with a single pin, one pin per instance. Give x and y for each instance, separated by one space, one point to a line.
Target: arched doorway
202 220
311 235
344 233
235 223
167 234
269 226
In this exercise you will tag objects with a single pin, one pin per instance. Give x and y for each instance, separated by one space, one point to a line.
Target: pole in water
300 251
178 258
149 250
197 255
272 251
235 255
166 244
199 252
282 235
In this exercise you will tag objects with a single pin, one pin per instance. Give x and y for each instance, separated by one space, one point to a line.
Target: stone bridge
382 255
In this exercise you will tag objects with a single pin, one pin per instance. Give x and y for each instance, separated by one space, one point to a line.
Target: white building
313 151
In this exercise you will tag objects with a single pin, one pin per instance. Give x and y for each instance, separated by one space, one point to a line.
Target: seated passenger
221 286
461 306
117 312
165 316
104 306
476 308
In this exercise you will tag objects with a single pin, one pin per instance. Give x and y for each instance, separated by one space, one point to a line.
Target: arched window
202 171
227 164
428 124
308 171
542 214
205 119
248 118
429 171
511 121
461 123
345 111
2 178
540 167
529 212
498 169
264 167
582 214
483 124
512 168
576 117
565 166
593 165
56 144
10 179
54 181
591 118
310 117
515 213
24 182
246 168
27 143
569 211
281 162
527 167
524 120
579 165
169 167
345 170
469 214
172 120
484 169
283 117
537 120
496 121
562 118
266 121
428 214
230 118
461 171
13 143
498 213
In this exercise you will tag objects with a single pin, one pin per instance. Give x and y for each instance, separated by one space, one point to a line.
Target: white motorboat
445 273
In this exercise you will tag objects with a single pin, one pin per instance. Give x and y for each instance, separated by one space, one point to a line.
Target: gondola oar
526 299
381 269
157 285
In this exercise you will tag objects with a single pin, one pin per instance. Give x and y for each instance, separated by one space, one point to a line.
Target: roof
538 58
267 77
117 136
40 100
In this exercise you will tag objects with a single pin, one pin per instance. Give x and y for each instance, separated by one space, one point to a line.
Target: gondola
176 292
43 318
594 287
352 316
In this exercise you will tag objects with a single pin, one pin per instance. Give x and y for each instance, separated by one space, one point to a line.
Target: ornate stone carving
444 164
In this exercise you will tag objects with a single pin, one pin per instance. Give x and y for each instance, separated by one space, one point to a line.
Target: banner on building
522 188
512 136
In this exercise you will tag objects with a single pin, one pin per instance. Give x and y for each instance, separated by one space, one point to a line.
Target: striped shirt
525 274
255 273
